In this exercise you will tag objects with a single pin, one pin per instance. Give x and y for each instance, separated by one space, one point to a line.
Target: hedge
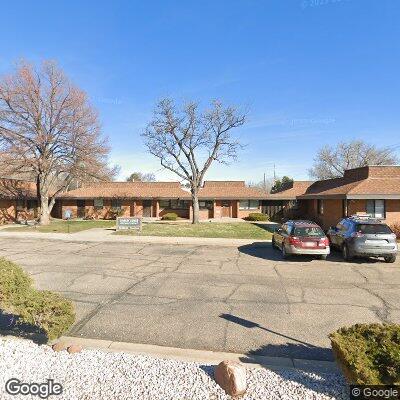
257 217
169 217
46 310
369 353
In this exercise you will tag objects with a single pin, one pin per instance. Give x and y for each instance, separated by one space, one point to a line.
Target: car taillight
324 241
294 240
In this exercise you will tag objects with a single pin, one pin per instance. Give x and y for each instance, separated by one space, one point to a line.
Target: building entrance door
225 209
147 208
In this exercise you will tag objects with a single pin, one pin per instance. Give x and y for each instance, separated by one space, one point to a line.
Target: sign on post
129 223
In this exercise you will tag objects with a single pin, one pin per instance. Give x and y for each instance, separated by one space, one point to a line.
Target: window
320 206
376 208
249 204
20 204
174 204
32 205
308 231
373 229
164 203
116 204
206 204
98 204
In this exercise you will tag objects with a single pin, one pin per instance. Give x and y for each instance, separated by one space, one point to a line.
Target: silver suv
363 236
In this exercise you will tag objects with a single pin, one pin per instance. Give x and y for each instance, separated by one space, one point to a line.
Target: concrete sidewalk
106 235
202 356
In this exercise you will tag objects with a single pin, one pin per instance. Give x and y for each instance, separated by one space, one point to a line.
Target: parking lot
241 299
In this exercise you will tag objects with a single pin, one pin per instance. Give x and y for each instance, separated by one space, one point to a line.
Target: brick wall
7 211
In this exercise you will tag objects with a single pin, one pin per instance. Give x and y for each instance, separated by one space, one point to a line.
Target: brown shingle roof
365 181
226 190
210 190
298 188
129 190
17 189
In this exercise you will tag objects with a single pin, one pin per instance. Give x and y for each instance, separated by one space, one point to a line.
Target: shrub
46 310
396 229
257 217
169 217
49 311
369 353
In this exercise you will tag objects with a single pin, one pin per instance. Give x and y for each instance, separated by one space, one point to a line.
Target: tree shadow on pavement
10 325
294 349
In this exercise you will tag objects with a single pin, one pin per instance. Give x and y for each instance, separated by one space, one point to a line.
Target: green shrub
169 217
14 284
369 353
46 310
257 217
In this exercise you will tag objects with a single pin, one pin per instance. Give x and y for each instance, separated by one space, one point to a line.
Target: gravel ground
98 375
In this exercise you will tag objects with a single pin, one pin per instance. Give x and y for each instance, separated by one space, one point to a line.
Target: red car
301 237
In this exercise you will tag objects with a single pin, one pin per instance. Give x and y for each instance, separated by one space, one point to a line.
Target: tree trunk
44 216
196 209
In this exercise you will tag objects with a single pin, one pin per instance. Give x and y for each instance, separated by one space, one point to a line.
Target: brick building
217 199
373 190
18 200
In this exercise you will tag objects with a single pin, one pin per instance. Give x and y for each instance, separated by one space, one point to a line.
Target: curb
202 356
91 237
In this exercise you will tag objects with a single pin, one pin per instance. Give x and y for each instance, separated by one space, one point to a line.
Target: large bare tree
49 132
331 162
187 141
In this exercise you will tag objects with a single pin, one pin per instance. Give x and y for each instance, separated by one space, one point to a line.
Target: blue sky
311 72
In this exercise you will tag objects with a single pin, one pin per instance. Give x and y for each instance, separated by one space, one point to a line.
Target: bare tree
264 185
49 132
331 162
188 141
141 177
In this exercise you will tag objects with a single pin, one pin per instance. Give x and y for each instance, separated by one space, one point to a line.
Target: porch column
156 208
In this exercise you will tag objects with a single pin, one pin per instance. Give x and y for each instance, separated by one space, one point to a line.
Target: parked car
363 236
301 237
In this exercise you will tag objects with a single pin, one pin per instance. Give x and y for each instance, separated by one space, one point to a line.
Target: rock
74 348
231 376
59 346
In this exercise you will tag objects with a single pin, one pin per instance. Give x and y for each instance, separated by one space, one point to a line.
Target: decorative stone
59 346
231 376
74 348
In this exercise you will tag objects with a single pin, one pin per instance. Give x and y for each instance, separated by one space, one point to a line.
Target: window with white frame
249 204
376 208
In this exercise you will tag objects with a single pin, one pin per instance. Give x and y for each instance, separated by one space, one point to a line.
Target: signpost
129 223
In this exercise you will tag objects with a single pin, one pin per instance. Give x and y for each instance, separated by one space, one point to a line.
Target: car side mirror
279 230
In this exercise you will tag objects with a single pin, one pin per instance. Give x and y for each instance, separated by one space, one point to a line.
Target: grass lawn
61 226
240 230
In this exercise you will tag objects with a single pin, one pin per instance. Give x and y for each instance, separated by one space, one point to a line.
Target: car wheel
390 259
285 255
346 253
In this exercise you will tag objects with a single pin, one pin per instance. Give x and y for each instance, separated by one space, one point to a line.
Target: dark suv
363 236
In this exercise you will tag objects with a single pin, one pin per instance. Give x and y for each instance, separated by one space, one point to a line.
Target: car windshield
314 231
373 229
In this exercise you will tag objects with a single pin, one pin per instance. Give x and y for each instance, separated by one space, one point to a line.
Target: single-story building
217 199
373 190
18 200
284 204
